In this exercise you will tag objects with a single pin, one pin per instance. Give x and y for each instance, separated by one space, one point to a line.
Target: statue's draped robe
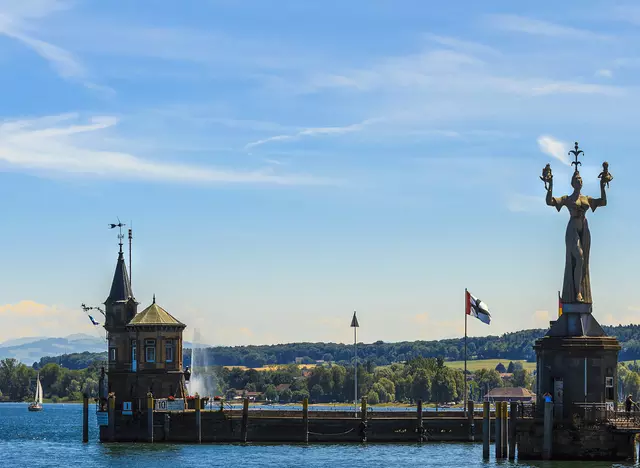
577 235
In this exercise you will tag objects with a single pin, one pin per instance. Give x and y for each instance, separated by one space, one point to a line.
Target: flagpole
464 379
355 325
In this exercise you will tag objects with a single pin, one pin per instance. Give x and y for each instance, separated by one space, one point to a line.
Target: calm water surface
53 438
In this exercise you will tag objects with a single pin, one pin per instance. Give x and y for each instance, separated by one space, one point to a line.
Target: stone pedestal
576 363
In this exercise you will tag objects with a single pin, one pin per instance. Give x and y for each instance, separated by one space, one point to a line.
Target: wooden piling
420 428
111 414
471 421
486 429
150 417
363 418
167 426
505 429
513 415
305 419
245 419
498 439
198 418
85 418
547 449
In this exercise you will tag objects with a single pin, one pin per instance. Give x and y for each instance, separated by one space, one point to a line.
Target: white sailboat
37 403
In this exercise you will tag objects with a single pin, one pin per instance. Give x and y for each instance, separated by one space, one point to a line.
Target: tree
510 367
316 393
522 378
372 398
285 396
270 393
501 369
421 386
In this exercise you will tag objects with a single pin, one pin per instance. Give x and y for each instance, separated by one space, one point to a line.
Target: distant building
510 394
282 387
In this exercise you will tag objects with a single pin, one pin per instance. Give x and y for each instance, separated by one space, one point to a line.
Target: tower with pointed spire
145 349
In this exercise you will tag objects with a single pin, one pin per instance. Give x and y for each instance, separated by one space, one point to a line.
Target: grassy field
488 364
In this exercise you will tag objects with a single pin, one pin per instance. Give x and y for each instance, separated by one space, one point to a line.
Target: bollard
305 419
420 429
505 428
498 429
111 408
150 417
471 421
198 418
85 418
245 419
547 448
513 415
486 429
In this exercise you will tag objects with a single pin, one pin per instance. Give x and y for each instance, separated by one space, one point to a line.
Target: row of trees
17 381
516 346
427 379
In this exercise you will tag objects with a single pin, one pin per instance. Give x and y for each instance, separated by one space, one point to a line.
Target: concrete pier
548 431
198 418
498 439
149 417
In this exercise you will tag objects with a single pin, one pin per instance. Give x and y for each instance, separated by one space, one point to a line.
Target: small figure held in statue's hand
605 176
546 176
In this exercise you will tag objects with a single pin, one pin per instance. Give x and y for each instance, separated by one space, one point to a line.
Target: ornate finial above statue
577 286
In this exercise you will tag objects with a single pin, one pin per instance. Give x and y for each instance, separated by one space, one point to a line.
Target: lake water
53 437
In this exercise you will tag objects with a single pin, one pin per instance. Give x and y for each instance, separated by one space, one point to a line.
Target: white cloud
522 24
315 131
604 73
30 318
555 148
49 144
14 26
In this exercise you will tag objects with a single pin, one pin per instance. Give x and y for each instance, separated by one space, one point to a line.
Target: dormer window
150 350
168 350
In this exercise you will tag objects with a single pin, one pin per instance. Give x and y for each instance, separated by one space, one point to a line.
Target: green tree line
516 346
18 381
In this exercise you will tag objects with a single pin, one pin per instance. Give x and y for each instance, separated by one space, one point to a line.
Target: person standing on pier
628 403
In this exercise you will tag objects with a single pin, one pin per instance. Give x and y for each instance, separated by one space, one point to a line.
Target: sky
286 163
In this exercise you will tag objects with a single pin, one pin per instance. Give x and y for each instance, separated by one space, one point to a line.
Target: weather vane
576 152
120 225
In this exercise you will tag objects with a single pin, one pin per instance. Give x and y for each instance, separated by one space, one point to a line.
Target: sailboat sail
39 392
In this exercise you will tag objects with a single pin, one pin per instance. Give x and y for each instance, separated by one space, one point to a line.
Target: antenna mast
130 239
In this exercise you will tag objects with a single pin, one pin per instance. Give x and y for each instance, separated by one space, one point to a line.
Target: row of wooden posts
504 437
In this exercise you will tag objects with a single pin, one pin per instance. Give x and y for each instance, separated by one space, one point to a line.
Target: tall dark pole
355 325
130 270
464 403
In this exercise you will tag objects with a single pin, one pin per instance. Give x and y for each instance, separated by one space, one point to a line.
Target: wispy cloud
604 73
15 23
314 131
523 24
50 145
554 147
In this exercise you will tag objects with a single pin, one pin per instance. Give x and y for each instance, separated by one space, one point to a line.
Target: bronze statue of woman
577 286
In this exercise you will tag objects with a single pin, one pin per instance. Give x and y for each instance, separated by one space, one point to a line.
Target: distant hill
30 350
516 346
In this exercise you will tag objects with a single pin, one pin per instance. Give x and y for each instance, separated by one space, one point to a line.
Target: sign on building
126 408
176 405
160 404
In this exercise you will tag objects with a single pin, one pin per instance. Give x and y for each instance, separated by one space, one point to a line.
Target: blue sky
285 163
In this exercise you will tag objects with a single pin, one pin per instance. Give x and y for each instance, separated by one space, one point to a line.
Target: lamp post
355 325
